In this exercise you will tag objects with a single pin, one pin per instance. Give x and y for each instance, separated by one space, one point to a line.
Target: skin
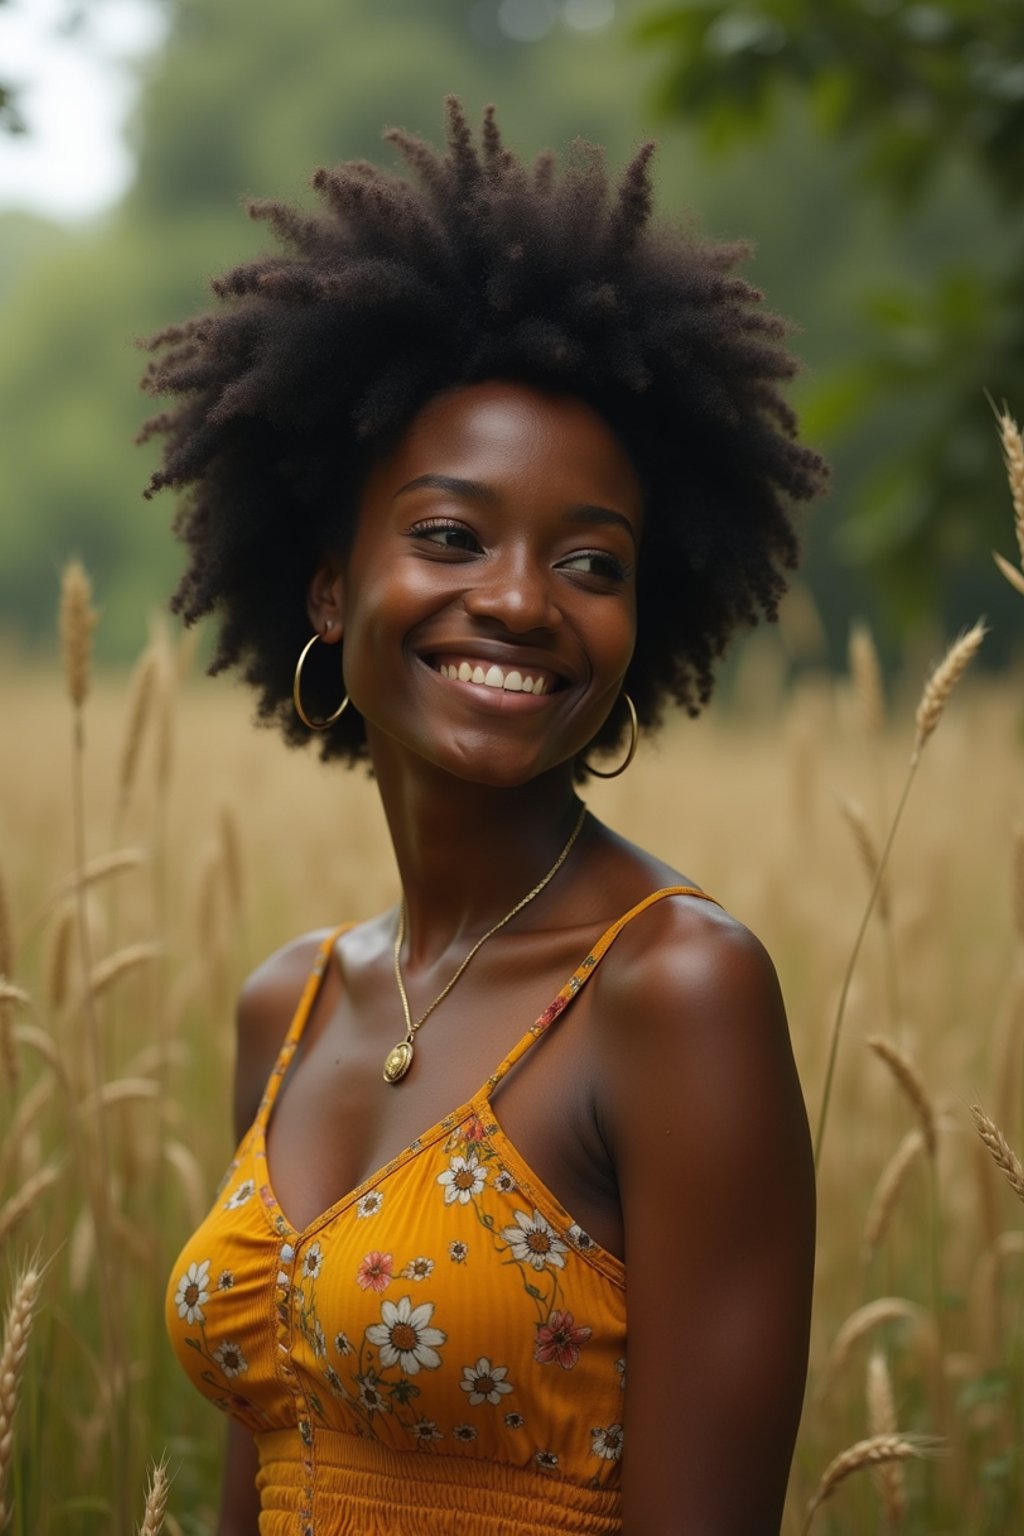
663 1109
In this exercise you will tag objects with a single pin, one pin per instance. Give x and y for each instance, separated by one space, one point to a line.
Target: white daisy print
313 1263
533 1241
463 1178
464 1432
425 1430
241 1196
514 1420
607 1443
370 1203
504 1182
546 1460
485 1382
225 1280
192 1292
343 1343
318 1339
579 1239
458 1252
230 1359
404 1336
370 1395
620 1366
418 1269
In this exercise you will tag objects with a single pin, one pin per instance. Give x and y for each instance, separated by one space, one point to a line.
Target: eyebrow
467 490
474 490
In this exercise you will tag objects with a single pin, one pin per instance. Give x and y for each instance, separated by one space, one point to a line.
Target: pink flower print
473 1130
551 1013
374 1273
559 1339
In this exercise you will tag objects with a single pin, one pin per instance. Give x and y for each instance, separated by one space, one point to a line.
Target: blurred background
872 150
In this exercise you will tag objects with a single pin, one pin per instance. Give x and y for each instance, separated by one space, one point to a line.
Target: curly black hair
474 267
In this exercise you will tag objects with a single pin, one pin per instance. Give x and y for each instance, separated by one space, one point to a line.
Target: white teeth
493 677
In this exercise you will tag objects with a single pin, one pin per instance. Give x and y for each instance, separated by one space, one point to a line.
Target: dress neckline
480 1099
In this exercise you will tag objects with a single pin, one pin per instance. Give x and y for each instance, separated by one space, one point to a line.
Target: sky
78 87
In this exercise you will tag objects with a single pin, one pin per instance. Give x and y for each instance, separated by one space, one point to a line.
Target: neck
467 852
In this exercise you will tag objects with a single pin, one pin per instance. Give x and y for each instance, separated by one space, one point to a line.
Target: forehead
514 437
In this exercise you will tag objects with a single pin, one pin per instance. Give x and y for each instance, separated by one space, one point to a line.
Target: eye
445 534
596 562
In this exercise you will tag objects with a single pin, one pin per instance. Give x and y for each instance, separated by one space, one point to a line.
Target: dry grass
222 821
13 1353
939 687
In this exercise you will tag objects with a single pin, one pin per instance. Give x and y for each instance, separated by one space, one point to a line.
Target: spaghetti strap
585 970
291 1040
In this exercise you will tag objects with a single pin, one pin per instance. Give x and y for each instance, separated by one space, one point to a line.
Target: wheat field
154 846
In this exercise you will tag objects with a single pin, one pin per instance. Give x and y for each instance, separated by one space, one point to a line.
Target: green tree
926 103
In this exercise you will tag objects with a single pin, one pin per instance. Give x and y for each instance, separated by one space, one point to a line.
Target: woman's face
488 602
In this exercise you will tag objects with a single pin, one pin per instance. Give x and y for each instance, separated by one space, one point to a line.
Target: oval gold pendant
398 1061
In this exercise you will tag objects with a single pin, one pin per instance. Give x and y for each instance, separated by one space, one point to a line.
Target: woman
481 474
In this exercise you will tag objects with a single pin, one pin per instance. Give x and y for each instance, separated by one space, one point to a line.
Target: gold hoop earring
634 742
314 725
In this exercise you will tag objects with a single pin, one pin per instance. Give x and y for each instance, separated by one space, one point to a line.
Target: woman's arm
699 1104
265 1005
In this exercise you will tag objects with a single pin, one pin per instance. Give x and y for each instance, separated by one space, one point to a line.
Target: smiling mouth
535 680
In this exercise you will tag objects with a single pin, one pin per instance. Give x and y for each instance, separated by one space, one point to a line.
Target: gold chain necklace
399 1058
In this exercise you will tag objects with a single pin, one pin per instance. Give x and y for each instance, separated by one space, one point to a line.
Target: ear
325 600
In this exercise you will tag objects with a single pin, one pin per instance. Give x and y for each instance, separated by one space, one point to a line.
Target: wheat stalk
1018 879
8 1055
887 1190
156 1500
17 1328
912 1084
887 1475
1013 459
929 711
874 1314
864 1453
231 846
866 676
77 621
143 687
30 1107
937 690
106 972
191 1178
19 1205
857 822
1002 1153
44 1046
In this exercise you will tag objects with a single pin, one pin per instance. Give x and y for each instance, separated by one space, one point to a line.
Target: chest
336 1121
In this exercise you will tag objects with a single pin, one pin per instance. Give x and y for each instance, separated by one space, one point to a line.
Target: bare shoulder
684 961
266 1005
690 1022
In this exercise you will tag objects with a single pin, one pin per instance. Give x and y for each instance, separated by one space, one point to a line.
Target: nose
516 593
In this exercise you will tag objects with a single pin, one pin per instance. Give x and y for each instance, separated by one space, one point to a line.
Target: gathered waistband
350 1486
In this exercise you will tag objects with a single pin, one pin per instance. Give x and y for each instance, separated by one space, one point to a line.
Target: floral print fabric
450 1307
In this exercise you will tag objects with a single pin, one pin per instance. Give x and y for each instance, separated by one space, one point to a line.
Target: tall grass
192 845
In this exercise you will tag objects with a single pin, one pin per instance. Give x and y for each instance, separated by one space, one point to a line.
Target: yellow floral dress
441 1352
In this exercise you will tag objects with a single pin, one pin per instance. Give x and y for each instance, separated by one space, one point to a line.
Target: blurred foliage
11 120
921 100
908 288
